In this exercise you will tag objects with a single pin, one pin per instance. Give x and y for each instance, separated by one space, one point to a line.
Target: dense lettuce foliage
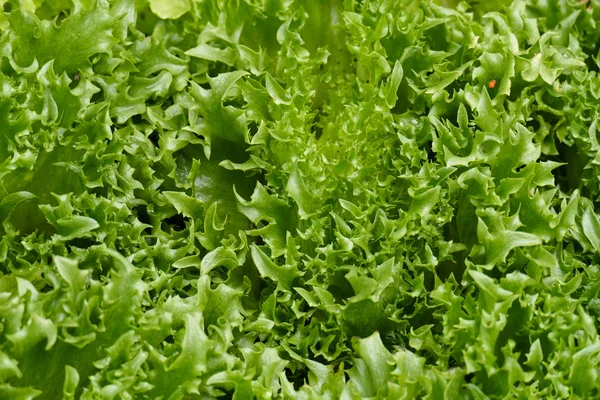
303 199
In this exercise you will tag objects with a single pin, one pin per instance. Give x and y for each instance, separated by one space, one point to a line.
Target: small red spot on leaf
492 84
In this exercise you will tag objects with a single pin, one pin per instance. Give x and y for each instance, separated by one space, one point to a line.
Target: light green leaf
170 9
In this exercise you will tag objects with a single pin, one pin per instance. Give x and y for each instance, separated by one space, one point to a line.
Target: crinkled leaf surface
287 199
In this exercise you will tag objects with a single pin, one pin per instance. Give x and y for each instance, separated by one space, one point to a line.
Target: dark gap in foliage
318 358
469 377
169 339
452 362
557 103
97 97
575 163
431 155
137 119
64 14
252 128
409 309
551 120
154 137
515 329
591 59
262 178
7 7
561 178
279 330
228 395
235 102
533 125
424 317
185 289
141 212
146 21
456 266
201 136
451 116
47 282
346 376
166 102
5 66
336 367
258 240
500 270
154 74
46 289
429 357
297 378
567 176
204 85
152 295
95 316
339 287
394 339
316 127
74 80
177 222
37 126
21 97
71 330
402 104
428 280
81 243
452 267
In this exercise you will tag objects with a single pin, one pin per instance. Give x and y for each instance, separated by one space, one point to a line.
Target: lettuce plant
299 199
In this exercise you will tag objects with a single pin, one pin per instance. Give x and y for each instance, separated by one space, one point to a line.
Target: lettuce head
299 199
